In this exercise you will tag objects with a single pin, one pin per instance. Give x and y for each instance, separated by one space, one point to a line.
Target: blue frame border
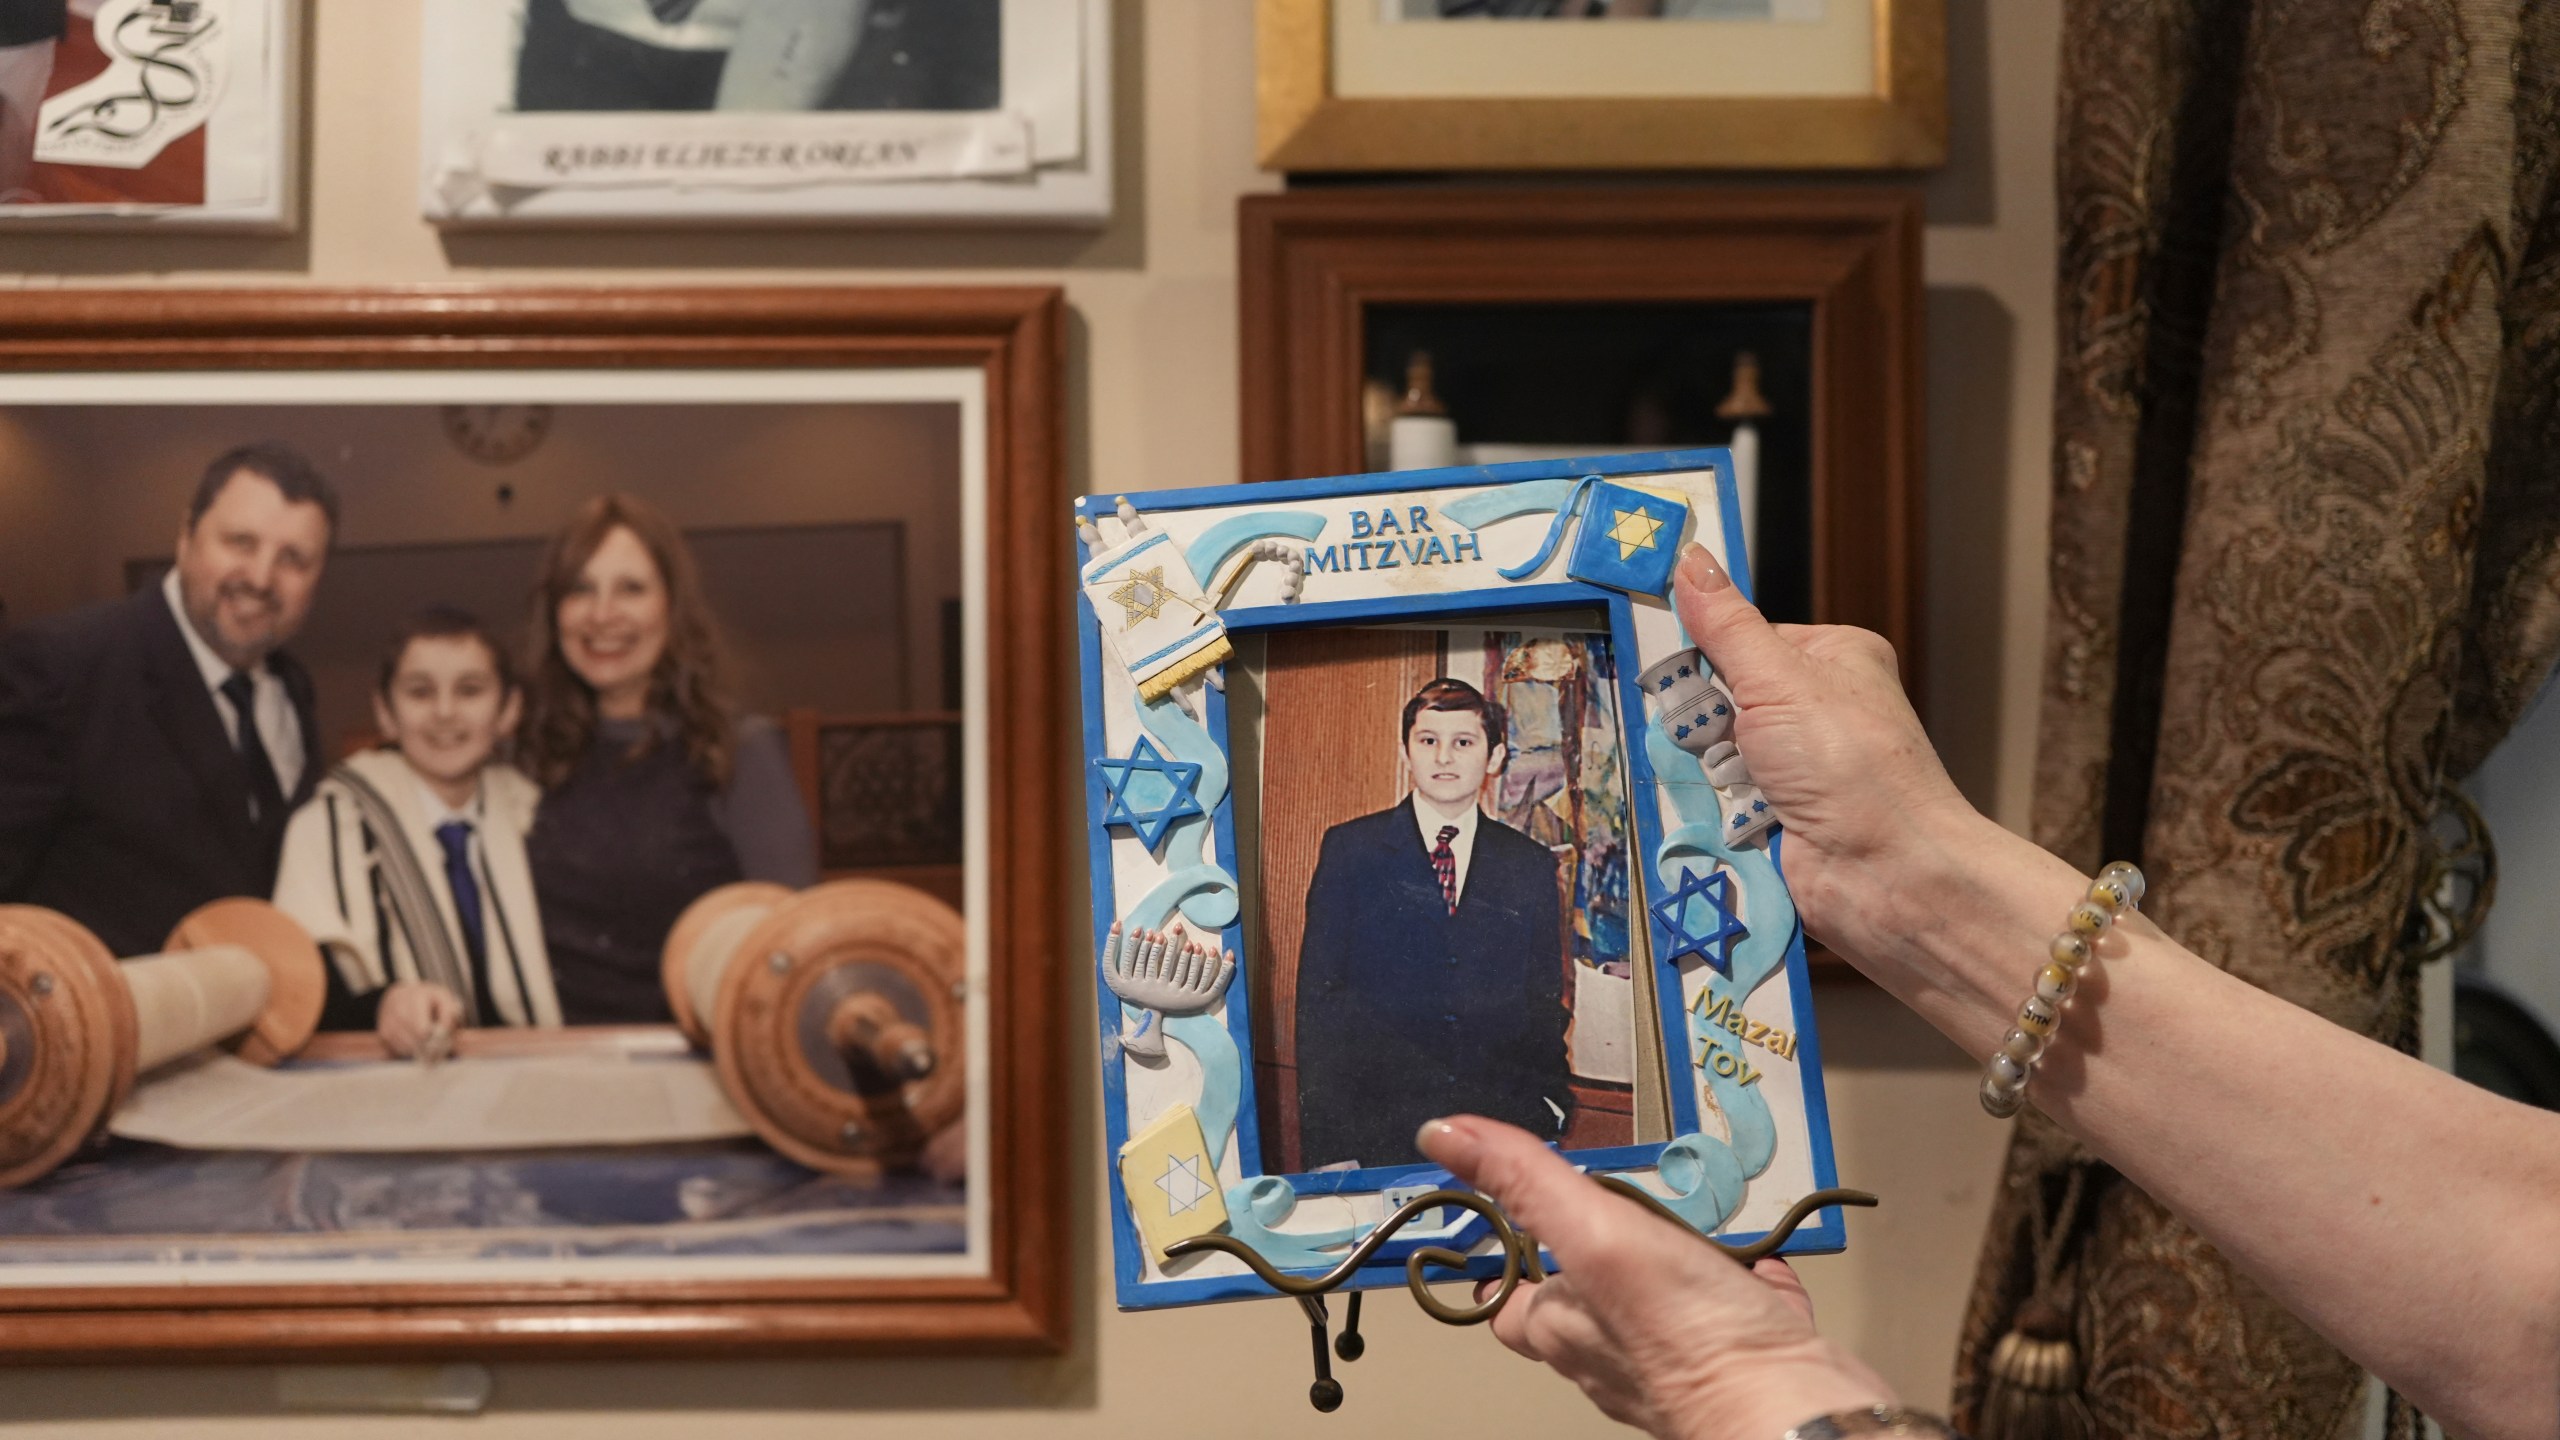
1825 1234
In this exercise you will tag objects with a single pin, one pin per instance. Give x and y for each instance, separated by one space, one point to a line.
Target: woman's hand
413 1014
1660 1330
1834 745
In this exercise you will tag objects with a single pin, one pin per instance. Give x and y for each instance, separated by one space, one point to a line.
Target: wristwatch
1874 1420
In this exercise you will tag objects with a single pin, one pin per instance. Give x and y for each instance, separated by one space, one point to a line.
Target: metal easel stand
1519 1256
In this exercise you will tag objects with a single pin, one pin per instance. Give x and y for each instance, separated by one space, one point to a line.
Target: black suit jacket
1405 1011
122 803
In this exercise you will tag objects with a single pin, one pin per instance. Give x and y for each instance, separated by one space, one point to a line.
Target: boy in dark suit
152 747
1431 978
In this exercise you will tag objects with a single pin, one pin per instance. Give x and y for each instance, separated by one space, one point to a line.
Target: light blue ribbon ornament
1707 1177
1208 898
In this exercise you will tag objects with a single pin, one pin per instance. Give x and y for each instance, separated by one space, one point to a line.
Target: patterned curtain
2305 573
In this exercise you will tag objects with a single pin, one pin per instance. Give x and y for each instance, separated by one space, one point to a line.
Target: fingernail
1440 1140
1700 569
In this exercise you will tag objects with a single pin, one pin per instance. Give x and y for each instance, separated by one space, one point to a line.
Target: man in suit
152 747
1431 978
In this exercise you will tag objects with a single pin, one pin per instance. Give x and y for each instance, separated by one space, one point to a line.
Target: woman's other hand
1833 742
1658 1328
415 1013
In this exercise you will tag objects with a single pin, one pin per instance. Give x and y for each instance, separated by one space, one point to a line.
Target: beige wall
1153 403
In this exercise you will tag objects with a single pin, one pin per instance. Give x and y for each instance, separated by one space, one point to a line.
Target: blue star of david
1681 732
1148 793
1666 683
1715 946
1684 672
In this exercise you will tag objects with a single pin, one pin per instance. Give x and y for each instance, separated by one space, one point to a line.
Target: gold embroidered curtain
2305 570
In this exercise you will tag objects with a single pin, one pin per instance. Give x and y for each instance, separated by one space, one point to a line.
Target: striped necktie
1444 863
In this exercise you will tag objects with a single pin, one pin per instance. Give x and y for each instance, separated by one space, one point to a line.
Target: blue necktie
455 836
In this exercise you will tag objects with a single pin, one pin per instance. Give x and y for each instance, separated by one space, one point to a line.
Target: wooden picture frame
1007 346
1306 123
1315 263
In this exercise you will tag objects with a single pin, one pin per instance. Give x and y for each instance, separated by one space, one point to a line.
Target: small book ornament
1171 1183
1628 537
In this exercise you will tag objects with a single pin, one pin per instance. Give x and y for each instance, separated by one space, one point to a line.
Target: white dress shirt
277 724
1462 844
439 815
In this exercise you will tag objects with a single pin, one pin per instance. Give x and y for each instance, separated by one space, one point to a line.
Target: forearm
2405 1215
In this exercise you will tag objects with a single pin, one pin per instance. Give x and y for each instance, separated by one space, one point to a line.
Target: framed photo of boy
415 926
122 114
786 111
1406 796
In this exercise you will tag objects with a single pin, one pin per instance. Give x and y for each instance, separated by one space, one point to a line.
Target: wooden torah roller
77 1026
833 1015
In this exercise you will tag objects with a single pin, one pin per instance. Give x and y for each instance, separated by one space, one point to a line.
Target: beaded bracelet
1874 1420
2118 888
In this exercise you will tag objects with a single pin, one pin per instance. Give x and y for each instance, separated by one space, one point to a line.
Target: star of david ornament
1146 793
1715 944
1634 530
1143 595
1181 1183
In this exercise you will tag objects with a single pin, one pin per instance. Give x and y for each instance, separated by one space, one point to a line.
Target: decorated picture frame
1283 991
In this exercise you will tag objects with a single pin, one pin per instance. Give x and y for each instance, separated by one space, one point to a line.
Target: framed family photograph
131 113
485 864
1407 796
600 111
1601 84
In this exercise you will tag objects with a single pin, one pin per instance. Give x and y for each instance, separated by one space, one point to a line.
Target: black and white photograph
571 111
759 55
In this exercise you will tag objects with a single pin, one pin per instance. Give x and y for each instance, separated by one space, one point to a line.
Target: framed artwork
1407 796
839 1127
597 111
1600 84
1560 322
886 793
117 113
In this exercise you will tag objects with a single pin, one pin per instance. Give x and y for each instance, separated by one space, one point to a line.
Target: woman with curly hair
654 790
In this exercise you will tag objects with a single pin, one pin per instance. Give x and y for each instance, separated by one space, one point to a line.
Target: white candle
1746 482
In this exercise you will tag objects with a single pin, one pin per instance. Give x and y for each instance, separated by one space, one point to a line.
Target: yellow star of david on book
1634 530
1144 596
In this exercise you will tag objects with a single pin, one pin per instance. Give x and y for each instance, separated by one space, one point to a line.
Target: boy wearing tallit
408 863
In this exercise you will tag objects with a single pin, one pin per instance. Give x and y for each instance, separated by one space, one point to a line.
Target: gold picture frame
1304 123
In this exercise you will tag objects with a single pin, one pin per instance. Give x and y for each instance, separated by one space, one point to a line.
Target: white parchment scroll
214 1101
